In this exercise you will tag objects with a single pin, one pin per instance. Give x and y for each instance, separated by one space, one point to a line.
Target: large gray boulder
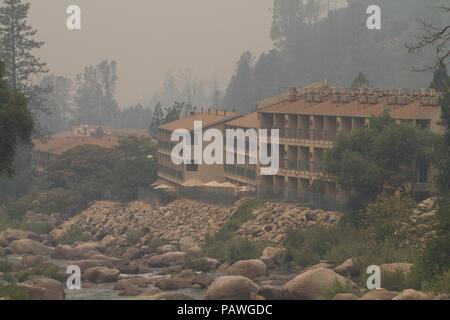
168 259
28 246
52 289
231 288
251 269
313 284
101 275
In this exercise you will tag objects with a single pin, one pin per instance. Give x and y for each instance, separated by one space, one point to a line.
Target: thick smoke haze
149 37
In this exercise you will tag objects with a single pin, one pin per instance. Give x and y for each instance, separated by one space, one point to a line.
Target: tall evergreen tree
441 79
16 124
17 44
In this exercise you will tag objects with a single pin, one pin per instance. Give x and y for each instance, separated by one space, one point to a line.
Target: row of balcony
241 171
171 172
309 134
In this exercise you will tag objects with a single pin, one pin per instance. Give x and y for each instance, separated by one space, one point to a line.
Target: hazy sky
149 37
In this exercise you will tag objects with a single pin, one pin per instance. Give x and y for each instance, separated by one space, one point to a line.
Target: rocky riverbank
114 267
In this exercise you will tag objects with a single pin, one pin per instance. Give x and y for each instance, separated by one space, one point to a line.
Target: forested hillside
310 45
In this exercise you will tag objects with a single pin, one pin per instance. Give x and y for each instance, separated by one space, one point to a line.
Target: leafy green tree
376 158
97 173
16 125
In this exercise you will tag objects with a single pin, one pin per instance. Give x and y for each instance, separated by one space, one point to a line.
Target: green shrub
57 200
5 266
310 245
222 245
12 292
200 264
441 284
398 281
384 217
155 243
134 236
39 227
47 270
338 288
74 234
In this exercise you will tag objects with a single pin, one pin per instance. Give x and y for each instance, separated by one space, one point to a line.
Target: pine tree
16 125
360 81
441 79
17 44
157 119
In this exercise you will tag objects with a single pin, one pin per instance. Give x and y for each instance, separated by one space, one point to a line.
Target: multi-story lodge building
309 121
242 174
176 175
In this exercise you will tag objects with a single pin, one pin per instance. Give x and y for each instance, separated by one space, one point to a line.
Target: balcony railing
307 134
171 172
304 166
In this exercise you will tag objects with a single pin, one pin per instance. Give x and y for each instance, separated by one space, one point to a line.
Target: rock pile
421 225
187 218
272 221
174 221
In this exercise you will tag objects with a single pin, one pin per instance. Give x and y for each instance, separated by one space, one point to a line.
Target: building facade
309 121
177 175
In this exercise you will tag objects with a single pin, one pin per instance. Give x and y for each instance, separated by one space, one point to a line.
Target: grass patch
5 266
134 236
156 243
222 245
13 292
48 270
338 287
75 234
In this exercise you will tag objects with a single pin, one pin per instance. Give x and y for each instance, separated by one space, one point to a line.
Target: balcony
307 135
303 166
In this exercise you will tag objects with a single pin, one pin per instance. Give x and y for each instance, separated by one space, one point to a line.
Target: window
192 167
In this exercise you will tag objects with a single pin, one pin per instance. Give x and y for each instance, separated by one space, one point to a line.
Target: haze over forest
149 38
230 54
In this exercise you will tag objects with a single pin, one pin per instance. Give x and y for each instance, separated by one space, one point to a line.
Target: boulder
62 251
312 284
202 279
345 296
347 268
131 287
13 234
273 253
32 261
87 264
87 249
379 294
168 284
170 296
166 248
53 290
133 253
32 292
28 246
187 243
270 292
231 288
101 275
251 269
410 294
168 259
